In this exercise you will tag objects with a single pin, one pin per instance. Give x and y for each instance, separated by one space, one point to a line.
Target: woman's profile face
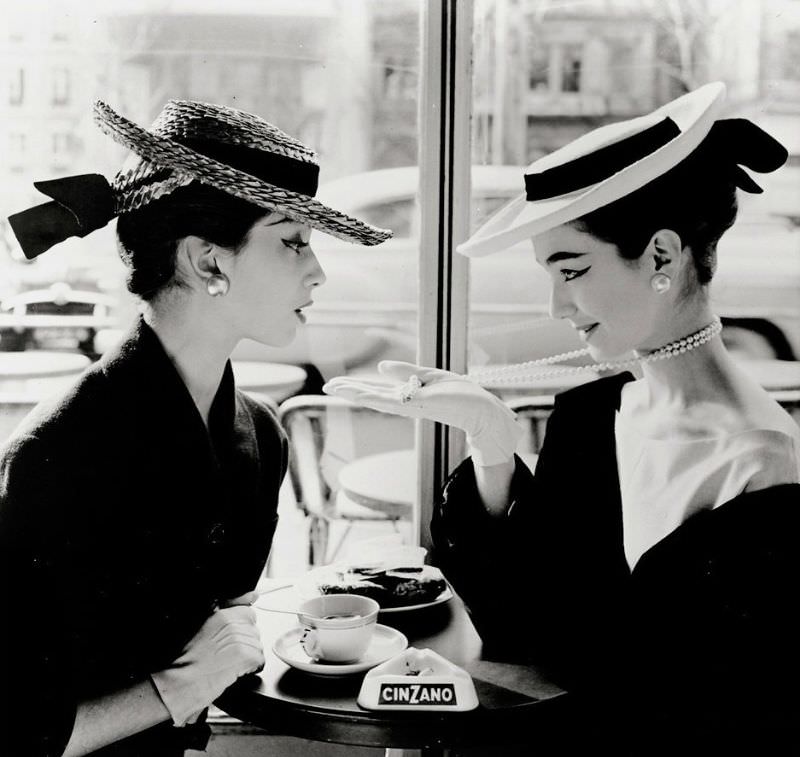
273 277
608 300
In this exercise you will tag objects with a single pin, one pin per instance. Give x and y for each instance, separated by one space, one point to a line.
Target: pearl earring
661 283
218 285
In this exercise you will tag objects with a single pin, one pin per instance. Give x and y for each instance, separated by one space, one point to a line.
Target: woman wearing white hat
137 511
651 561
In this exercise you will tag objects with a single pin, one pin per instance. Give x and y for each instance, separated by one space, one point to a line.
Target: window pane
341 76
546 72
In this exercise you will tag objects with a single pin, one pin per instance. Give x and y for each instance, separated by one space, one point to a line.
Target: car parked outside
367 309
56 318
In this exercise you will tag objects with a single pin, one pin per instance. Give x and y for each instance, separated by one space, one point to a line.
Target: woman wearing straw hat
651 560
137 511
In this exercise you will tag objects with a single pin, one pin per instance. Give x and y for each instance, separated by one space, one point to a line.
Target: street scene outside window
344 77
547 72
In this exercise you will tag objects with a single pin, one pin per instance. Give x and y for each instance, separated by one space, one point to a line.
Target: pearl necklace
515 374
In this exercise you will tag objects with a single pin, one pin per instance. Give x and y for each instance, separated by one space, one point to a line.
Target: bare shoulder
741 405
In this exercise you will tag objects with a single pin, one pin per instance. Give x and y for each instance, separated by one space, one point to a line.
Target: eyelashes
568 274
298 245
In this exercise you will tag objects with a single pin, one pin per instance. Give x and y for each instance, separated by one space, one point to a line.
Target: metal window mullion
444 117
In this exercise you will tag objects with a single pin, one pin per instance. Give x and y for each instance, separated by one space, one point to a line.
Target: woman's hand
226 647
444 397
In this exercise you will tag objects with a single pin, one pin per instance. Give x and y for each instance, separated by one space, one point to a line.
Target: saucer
386 643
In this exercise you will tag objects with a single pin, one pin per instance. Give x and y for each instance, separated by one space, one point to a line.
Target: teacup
337 627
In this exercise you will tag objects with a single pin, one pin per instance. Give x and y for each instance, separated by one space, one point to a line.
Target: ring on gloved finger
409 390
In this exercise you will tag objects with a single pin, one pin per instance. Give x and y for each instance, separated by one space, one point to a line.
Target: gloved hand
226 647
445 397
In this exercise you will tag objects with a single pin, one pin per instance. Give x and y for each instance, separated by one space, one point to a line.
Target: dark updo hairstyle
696 199
148 236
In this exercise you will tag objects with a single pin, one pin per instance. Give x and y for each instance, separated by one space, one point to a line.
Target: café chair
268 380
789 400
325 434
533 412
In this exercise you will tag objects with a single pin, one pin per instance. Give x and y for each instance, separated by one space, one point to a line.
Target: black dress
123 520
697 645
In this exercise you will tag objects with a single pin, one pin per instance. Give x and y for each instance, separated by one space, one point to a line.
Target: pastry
396 587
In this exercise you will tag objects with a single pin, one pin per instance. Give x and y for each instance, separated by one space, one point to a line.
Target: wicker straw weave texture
164 164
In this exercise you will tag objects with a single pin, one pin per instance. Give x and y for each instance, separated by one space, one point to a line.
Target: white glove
226 647
491 427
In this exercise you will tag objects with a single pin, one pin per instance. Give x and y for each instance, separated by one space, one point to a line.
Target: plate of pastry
396 588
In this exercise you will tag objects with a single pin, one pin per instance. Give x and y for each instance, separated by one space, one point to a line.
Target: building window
621 66
554 67
17 143
60 86
399 80
62 144
539 70
791 61
571 59
16 87
60 29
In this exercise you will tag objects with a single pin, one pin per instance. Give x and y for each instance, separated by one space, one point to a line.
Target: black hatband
599 165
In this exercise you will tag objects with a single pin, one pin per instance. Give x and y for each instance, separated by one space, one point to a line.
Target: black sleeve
553 566
37 706
474 548
496 564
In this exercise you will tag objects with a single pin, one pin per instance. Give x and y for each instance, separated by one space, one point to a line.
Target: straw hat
613 161
221 147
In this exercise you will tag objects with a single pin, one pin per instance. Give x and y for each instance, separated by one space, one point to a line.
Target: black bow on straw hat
615 160
233 151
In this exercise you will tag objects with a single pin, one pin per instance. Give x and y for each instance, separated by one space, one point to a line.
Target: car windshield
396 215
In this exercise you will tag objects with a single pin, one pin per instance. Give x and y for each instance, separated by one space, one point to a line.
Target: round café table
276 380
518 705
26 378
34 370
387 481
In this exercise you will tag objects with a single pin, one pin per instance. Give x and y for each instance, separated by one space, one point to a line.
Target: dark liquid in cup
342 616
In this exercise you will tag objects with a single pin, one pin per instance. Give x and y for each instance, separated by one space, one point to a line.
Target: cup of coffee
337 627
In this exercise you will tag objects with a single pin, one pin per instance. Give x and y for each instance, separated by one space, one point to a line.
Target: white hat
600 167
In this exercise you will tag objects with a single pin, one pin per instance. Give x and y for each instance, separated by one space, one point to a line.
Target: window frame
445 162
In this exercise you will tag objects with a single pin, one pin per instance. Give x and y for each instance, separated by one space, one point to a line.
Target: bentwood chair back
533 412
325 434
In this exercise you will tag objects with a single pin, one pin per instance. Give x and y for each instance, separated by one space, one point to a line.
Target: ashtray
418 679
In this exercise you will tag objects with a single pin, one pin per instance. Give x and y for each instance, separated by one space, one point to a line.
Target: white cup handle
310 642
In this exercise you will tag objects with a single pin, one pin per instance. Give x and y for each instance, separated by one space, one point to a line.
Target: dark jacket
699 642
122 522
